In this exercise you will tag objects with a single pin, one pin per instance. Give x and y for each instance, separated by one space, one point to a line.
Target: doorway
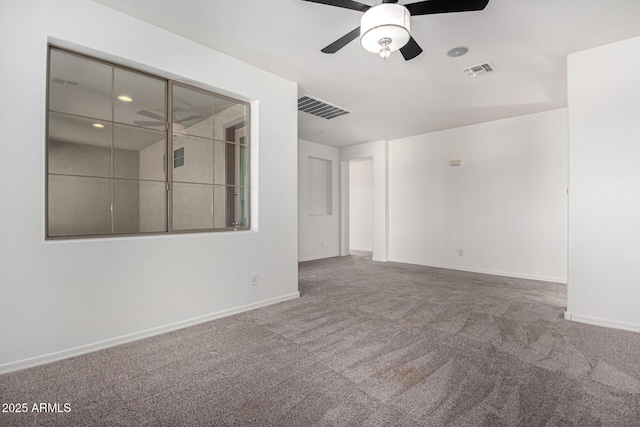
361 205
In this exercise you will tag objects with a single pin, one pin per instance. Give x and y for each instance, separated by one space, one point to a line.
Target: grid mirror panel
192 206
195 159
80 86
131 153
139 100
79 205
192 111
212 151
77 147
138 206
139 153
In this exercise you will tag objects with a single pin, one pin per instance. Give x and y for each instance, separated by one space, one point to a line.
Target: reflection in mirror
226 163
192 159
243 173
79 205
227 207
108 160
139 153
192 206
138 206
232 206
192 112
139 100
230 163
230 121
219 206
79 85
78 146
219 167
243 206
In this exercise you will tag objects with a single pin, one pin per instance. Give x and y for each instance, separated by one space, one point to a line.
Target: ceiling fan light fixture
385 25
384 51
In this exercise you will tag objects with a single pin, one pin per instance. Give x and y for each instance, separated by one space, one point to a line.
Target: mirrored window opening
124 153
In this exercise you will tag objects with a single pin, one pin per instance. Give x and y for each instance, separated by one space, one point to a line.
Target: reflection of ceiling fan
180 107
384 27
160 119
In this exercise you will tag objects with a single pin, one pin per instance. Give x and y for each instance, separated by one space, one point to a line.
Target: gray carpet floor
367 344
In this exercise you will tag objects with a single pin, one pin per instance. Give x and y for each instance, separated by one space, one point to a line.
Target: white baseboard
598 321
361 249
477 270
84 349
315 257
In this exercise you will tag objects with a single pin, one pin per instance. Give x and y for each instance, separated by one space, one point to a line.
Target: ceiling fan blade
428 7
347 4
410 50
342 41
389 1
146 124
151 115
186 119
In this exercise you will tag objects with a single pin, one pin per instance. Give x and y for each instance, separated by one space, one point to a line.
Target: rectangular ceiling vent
65 82
479 70
320 108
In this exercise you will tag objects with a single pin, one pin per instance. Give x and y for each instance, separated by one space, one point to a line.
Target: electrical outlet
460 252
254 279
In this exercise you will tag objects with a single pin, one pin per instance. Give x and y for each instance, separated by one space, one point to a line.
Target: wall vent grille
320 108
479 70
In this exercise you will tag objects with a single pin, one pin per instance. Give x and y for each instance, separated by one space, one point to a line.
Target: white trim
315 257
84 349
352 248
478 270
598 321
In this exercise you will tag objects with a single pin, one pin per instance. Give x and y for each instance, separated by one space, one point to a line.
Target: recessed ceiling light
98 125
457 51
125 98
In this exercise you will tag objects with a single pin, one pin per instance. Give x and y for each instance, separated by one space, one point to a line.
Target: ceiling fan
179 115
384 28
160 120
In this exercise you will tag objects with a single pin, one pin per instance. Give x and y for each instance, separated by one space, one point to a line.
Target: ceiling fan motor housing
385 21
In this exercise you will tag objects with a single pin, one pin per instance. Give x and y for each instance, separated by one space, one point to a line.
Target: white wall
318 234
505 206
60 298
378 152
361 205
604 178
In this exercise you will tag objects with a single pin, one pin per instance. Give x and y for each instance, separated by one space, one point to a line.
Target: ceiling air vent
318 107
65 82
479 70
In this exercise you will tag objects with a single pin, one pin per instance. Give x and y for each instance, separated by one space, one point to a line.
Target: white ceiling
527 41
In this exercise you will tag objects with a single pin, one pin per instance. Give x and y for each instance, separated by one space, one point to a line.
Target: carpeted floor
368 344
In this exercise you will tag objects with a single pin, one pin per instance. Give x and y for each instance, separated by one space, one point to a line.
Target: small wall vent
320 108
479 70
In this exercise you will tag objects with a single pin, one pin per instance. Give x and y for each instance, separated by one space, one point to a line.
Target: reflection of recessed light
125 98
98 125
